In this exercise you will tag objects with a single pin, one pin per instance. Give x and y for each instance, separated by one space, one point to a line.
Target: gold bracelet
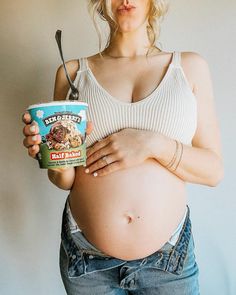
174 157
179 157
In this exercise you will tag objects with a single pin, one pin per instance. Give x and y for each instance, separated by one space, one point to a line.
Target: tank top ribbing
170 109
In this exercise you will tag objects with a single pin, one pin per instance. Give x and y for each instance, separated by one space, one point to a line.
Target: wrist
160 147
145 138
154 144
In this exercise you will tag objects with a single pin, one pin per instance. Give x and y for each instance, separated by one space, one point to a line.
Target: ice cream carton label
62 129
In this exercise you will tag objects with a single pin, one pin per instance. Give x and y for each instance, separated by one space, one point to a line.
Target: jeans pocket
190 266
191 250
179 251
71 259
79 262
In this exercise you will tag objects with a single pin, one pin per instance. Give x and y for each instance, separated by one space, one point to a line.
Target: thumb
89 127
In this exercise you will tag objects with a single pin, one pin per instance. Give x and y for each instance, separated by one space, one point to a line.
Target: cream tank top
171 109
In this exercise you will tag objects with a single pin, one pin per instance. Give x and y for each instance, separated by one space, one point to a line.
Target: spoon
74 95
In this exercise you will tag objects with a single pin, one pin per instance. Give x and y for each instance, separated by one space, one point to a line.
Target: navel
130 217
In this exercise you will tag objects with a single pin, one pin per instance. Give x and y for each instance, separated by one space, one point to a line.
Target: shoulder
61 86
72 67
193 59
195 66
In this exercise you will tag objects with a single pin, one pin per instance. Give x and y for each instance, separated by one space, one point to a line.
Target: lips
126 8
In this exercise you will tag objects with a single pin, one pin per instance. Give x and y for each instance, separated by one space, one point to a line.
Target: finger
32 140
89 128
33 150
26 118
97 146
104 151
31 129
115 166
101 163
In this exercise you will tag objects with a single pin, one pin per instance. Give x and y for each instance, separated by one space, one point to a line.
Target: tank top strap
82 67
83 64
176 58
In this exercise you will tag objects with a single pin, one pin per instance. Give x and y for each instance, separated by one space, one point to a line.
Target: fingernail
33 147
95 174
32 128
34 138
87 170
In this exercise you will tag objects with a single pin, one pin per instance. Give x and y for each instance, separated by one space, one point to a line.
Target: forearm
197 165
62 178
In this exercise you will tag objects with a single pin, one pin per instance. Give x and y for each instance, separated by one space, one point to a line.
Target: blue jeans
172 270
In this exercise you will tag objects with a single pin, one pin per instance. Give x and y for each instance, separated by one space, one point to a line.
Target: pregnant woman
152 127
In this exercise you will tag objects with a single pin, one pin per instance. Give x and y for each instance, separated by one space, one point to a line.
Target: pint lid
55 103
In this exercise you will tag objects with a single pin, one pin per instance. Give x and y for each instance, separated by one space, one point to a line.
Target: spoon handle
74 91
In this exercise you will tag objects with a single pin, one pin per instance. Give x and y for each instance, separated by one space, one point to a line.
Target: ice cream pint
62 126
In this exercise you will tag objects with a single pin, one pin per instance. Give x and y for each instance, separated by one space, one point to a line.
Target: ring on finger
105 160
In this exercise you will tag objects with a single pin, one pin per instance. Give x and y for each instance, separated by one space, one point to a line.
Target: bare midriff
131 213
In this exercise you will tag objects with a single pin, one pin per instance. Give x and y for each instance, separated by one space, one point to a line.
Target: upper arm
207 134
61 86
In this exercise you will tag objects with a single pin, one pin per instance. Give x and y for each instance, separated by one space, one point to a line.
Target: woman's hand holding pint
32 138
63 178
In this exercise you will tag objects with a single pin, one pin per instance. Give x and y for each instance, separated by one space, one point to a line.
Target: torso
129 214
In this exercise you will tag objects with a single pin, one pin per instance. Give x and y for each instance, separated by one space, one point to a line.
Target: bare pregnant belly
131 213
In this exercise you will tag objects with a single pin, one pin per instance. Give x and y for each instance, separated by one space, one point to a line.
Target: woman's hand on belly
123 149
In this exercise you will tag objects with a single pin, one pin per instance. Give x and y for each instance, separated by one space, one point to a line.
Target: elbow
217 171
57 179
59 185
218 177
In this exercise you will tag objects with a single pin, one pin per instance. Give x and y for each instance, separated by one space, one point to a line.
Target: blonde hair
102 9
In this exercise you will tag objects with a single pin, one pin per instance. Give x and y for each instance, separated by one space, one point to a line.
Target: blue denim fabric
172 270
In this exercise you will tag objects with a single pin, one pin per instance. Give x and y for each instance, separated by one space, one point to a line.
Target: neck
129 44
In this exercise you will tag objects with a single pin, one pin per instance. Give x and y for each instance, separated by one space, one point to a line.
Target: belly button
130 218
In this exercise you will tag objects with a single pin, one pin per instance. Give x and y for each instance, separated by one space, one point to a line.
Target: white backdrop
31 207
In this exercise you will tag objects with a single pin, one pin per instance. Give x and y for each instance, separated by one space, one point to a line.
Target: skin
109 206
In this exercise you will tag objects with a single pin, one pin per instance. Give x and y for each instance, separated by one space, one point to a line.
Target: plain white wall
31 207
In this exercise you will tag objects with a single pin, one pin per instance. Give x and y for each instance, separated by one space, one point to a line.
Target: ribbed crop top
170 109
